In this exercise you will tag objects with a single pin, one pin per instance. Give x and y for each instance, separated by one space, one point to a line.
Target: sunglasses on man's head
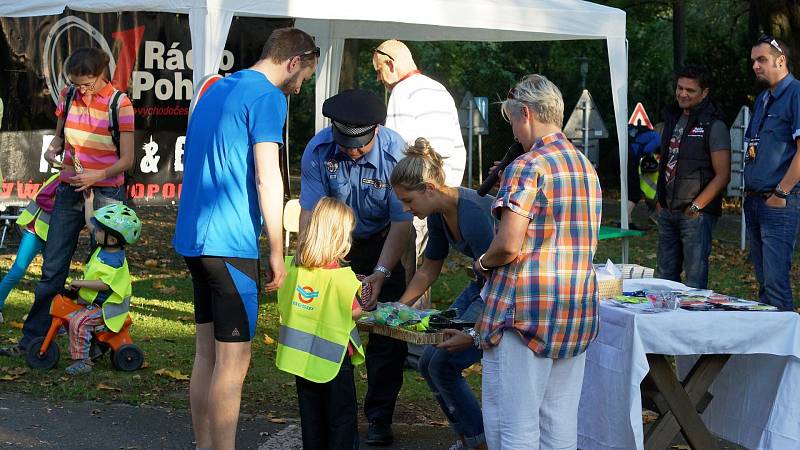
381 52
315 52
767 39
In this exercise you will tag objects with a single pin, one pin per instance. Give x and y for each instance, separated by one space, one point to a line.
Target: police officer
352 160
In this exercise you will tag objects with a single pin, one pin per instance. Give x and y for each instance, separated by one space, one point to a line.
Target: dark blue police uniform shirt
363 185
776 138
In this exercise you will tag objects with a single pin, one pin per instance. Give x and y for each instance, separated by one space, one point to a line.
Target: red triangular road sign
639 117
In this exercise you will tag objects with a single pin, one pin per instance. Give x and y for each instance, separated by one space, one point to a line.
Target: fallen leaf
105 387
168 290
8 377
268 340
185 318
151 263
681 447
145 365
277 420
15 324
174 374
17 371
158 285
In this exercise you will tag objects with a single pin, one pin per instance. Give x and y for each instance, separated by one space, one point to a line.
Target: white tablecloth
756 396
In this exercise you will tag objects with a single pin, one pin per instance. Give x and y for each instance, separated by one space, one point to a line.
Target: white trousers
530 402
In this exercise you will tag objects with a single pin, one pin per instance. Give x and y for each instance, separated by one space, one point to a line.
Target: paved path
29 423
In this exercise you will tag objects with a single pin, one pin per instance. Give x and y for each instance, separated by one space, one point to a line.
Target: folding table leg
684 400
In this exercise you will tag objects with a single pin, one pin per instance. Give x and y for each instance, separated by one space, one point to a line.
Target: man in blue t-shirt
232 191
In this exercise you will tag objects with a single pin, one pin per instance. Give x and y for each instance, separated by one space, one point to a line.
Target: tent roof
494 20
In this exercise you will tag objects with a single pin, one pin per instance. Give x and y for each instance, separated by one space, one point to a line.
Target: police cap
355 113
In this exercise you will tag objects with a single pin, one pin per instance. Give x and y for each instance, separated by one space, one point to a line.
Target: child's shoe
79 367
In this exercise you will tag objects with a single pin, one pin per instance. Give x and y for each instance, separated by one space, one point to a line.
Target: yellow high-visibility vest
34 212
315 307
117 305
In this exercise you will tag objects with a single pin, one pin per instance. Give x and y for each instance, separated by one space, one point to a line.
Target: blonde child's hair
327 237
421 165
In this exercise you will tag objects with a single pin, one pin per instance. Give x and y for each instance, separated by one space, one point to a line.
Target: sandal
80 367
12 351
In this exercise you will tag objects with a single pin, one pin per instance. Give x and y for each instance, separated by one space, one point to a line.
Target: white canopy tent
333 21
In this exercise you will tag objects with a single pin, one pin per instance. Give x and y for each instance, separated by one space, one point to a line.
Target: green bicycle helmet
121 221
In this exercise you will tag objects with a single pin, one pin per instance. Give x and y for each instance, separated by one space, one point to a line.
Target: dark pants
385 356
328 411
66 223
684 244
773 233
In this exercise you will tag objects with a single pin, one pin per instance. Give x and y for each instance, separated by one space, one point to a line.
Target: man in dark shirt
771 173
694 170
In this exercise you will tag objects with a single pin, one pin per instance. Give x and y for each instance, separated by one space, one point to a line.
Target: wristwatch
694 209
780 193
386 272
476 338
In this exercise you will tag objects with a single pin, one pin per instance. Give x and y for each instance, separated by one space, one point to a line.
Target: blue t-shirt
776 128
113 259
218 214
363 185
475 224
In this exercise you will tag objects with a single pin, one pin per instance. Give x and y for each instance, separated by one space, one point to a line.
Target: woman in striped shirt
92 160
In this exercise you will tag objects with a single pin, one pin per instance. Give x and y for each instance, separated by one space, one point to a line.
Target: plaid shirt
549 293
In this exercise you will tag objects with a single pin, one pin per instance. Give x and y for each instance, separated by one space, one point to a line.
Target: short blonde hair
421 165
540 95
327 237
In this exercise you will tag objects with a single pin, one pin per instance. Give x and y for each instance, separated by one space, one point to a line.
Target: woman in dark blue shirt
457 218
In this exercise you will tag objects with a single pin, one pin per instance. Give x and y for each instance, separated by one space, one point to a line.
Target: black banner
151 60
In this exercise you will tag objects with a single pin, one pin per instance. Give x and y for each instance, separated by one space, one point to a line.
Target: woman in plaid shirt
541 291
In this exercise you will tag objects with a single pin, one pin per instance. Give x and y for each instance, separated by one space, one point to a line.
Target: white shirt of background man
421 107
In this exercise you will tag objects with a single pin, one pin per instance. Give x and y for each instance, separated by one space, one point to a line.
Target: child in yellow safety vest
34 222
106 285
318 340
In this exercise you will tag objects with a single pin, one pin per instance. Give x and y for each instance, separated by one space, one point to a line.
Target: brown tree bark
348 77
678 35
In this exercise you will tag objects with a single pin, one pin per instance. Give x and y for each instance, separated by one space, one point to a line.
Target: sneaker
79 367
13 351
379 434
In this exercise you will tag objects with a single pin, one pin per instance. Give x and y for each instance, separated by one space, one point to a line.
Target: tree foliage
719 34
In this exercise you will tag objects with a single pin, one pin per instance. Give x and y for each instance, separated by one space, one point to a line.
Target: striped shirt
549 293
87 135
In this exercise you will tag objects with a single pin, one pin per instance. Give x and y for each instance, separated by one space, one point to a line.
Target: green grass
163 328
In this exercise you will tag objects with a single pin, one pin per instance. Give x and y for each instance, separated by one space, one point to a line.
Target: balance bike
43 352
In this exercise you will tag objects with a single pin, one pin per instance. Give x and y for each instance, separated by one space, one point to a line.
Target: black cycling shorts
226 294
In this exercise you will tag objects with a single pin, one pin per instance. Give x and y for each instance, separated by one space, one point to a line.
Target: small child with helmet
106 286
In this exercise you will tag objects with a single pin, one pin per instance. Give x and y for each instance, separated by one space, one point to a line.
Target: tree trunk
678 35
348 77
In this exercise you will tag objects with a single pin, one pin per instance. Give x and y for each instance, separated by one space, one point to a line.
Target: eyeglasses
767 39
381 52
307 53
87 86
